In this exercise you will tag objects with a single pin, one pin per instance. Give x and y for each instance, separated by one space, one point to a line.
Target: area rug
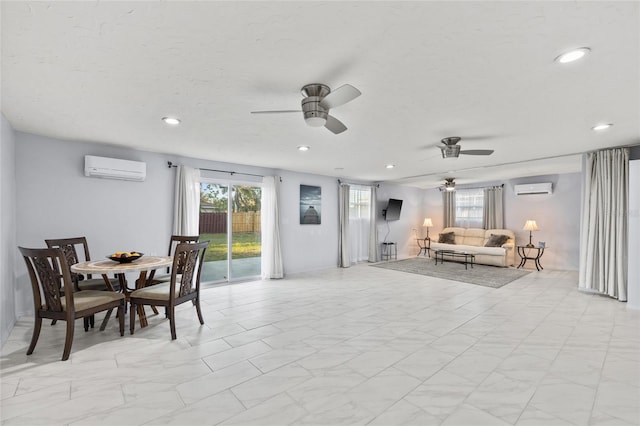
488 276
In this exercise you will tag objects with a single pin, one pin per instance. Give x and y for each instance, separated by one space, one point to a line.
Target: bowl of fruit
125 256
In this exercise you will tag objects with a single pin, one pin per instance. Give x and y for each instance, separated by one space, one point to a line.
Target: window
469 208
359 200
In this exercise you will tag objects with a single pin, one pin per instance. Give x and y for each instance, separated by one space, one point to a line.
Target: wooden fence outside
216 223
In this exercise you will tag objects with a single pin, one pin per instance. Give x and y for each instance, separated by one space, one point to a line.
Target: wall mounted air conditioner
113 168
533 188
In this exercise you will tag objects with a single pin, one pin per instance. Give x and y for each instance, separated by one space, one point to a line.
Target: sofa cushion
447 238
496 240
473 237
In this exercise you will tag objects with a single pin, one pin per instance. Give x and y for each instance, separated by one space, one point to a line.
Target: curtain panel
271 262
449 203
373 229
344 252
604 226
186 211
493 210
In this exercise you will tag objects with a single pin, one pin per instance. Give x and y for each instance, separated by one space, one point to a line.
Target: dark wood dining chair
54 296
187 259
173 242
71 247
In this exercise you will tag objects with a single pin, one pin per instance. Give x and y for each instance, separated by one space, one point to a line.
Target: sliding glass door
230 219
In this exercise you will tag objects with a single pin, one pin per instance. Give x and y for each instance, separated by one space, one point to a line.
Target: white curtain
493 211
359 222
603 231
449 203
373 229
186 211
272 264
344 253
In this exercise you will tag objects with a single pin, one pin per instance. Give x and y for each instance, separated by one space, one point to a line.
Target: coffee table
456 256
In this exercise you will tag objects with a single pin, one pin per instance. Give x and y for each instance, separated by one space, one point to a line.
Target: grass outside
245 244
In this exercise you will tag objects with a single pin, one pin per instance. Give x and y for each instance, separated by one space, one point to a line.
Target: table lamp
427 223
530 225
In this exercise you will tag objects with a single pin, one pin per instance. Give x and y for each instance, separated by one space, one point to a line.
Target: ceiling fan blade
335 125
477 151
276 111
340 96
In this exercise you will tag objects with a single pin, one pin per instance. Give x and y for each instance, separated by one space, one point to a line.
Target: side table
389 250
530 253
425 246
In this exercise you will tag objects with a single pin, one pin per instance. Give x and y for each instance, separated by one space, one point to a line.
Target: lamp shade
530 225
427 222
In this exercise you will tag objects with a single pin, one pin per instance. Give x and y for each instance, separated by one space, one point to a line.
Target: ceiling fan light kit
451 149
449 184
318 100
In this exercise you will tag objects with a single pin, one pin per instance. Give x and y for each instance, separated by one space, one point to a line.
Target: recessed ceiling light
572 55
601 127
303 148
171 121
390 166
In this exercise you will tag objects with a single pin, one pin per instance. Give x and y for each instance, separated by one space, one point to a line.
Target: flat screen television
393 209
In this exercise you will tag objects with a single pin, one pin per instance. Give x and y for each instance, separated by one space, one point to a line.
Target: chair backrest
177 239
69 247
187 260
50 278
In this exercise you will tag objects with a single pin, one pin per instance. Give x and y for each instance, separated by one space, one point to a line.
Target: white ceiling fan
451 149
318 100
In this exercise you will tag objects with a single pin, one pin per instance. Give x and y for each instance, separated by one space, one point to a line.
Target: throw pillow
447 238
496 240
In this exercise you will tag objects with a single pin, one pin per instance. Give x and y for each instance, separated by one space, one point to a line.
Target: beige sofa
473 240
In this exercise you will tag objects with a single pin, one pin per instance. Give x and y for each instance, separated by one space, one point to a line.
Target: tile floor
345 347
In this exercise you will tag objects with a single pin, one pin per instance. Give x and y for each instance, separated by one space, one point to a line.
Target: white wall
8 253
412 215
116 215
557 216
308 247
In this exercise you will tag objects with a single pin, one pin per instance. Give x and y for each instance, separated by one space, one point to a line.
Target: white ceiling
108 71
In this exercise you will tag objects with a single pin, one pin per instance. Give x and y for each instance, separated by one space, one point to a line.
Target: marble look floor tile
211 410
568 401
22 405
252 335
424 363
344 346
502 396
279 410
373 362
453 344
139 411
316 393
237 354
617 401
535 417
469 415
217 381
70 411
276 358
441 394
473 365
378 393
256 390
403 413
339 410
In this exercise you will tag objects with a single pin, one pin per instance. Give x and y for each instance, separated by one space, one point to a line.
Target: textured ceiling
108 71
